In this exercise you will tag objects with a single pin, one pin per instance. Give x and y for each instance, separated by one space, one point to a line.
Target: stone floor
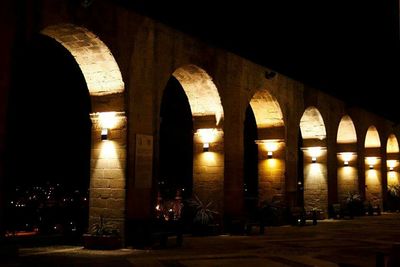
345 243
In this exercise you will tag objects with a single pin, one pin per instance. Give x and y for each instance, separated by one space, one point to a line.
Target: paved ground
345 243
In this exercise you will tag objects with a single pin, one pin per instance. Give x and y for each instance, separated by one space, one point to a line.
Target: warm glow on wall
108 120
270 146
108 150
314 152
98 66
207 136
392 164
201 91
371 161
372 138
347 157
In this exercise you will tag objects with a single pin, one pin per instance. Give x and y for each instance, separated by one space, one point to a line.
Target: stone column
271 171
107 170
315 175
208 169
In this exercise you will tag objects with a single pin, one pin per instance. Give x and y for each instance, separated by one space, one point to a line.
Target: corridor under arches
347 173
73 96
264 150
191 137
373 175
315 184
392 163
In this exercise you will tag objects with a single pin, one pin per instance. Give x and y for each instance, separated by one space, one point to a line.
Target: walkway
345 243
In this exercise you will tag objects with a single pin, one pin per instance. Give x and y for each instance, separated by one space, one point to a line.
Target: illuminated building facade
311 148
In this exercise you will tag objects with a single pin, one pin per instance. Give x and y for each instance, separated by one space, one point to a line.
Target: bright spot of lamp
371 161
314 152
104 134
207 136
346 156
108 120
391 164
206 147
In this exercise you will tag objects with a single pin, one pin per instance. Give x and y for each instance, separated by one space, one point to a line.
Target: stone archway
108 147
271 146
315 183
208 143
347 172
373 176
392 150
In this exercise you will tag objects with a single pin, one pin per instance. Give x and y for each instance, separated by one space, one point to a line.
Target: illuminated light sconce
107 121
314 152
270 145
391 164
104 134
371 161
346 156
206 147
207 136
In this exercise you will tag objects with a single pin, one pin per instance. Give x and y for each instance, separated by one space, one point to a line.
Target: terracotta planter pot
101 241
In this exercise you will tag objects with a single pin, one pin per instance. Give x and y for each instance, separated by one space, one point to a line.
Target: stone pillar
315 179
347 170
373 176
271 172
208 169
107 170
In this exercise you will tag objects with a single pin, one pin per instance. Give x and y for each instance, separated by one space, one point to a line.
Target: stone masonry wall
107 175
271 174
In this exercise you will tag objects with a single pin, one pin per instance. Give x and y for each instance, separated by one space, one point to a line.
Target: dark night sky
349 49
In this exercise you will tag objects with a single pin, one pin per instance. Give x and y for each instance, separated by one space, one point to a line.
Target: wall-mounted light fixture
104 134
372 161
314 152
391 164
107 121
269 145
207 136
346 157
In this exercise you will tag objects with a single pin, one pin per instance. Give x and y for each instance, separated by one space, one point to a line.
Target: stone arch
208 145
347 172
392 163
372 139
312 125
98 65
392 145
108 147
373 175
201 92
346 131
271 146
315 184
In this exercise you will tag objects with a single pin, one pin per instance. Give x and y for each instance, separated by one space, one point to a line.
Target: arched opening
373 179
176 142
315 183
49 143
69 74
264 174
191 118
347 173
393 175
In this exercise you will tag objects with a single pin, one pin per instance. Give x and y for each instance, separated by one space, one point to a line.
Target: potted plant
102 236
204 221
